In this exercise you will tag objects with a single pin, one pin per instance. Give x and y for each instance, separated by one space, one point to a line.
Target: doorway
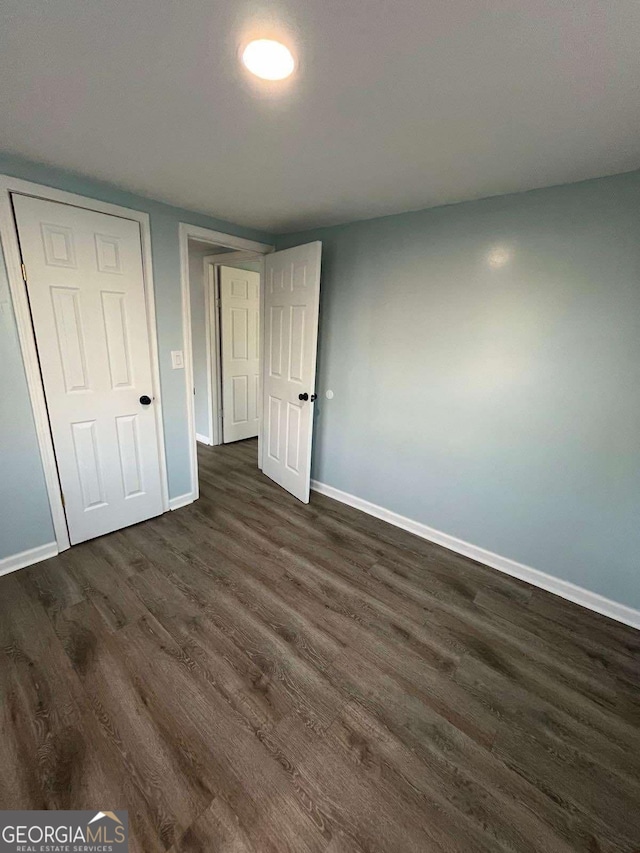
196 244
256 375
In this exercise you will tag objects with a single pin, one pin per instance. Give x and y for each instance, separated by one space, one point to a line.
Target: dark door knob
145 400
304 396
313 397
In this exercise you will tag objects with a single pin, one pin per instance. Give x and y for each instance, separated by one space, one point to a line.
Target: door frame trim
216 238
26 335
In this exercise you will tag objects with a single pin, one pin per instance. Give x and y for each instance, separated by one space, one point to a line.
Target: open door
291 301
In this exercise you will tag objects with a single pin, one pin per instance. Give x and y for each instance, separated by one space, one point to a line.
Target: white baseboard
565 589
27 558
182 500
203 439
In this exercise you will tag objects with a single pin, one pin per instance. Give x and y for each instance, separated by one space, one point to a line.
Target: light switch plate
177 359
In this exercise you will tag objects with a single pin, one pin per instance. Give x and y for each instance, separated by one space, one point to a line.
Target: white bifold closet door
291 300
240 332
86 292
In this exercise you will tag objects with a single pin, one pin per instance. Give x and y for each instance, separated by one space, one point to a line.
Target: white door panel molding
291 302
86 290
240 332
13 260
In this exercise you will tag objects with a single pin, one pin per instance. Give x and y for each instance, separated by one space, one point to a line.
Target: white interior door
240 329
291 300
86 292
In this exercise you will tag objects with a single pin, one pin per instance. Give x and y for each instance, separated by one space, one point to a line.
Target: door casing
13 261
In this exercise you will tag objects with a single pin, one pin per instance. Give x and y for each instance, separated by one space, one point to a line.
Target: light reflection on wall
498 257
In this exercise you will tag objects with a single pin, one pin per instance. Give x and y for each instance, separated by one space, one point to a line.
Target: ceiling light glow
268 59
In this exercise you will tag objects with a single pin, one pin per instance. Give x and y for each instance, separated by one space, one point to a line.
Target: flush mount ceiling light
268 59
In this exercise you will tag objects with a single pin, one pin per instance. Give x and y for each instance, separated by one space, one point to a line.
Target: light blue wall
22 526
500 405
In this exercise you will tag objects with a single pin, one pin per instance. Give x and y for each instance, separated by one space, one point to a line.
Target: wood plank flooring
249 674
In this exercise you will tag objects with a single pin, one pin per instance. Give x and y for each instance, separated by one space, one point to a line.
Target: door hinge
64 503
24 272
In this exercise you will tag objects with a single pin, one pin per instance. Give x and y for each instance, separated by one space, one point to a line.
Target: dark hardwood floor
252 674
